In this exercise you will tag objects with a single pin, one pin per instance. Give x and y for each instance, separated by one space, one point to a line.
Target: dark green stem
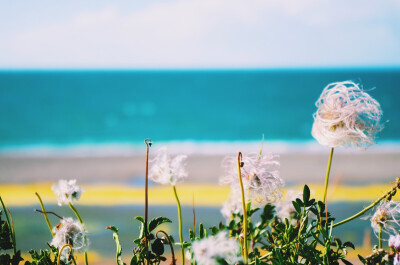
10 226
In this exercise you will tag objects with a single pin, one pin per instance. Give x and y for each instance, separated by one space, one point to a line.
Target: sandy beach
296 168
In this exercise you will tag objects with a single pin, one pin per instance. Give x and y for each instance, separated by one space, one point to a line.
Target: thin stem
10 226
61 250
178 204
387 195
45 214
146 197
194 217
328 171
80 221
48 212
169 243
380 237
245 254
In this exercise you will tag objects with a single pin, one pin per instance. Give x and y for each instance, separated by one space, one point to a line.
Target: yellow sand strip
204 194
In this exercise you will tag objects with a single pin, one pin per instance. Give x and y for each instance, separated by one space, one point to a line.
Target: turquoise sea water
97 107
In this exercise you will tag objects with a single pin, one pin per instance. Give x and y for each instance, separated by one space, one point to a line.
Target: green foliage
150 248
307 239
43 257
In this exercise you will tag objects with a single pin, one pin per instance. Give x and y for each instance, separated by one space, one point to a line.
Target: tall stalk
328 171
178 204
246 251
146 198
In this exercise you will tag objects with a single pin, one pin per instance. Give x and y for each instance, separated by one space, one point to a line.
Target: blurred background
82 84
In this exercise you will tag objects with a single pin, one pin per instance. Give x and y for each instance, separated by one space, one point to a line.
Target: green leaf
268 213
306 194
157 247
140 219
346 262
154 223
118 244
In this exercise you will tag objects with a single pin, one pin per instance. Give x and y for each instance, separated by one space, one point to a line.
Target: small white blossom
394 242
208 250
396 260
70 232
260 177
387 215
285 208
67 191
232 205
346 116
166 170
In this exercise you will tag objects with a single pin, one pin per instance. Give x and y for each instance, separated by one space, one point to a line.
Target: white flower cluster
260 177
285 208
167 170
346 116
208 250
386 216
70 232
67 191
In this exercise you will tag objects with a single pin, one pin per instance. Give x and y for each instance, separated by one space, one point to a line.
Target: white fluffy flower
396 260
394 242
387 215
346 116
67 191
70 232
285 208
166 170
260 177
208 250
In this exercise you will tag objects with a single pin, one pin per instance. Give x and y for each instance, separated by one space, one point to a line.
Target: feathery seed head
67 191
167 170
346 116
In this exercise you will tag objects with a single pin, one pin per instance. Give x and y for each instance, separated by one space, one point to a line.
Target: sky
137 34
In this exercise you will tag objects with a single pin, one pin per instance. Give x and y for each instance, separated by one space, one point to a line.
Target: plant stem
380 237
386 195
61 250
146 196
80 221
328 171
178 204
45 214
245 254
10 226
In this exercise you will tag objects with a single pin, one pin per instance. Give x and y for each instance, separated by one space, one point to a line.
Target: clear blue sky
199 33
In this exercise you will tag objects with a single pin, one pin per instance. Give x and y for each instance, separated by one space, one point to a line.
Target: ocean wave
113 149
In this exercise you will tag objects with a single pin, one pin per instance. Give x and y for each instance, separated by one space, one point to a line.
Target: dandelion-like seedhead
394 242
387 215
208 250
67 191
167 170
260 176
285 208
346 116
70 232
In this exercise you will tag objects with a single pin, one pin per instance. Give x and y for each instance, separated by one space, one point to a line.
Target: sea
113 111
